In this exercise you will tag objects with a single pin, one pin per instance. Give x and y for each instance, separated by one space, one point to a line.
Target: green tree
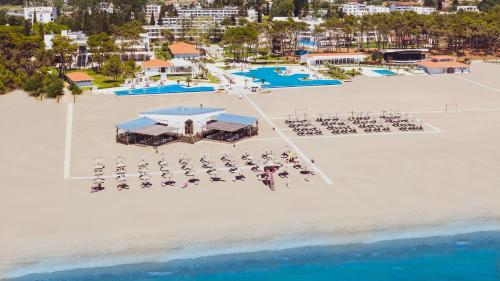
101 46
55 88
64 51
75 90
282 8
112 67
129 69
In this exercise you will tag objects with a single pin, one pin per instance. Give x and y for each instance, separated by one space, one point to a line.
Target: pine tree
152 20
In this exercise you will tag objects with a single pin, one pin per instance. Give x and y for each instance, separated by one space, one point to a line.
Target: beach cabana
145 131
230 128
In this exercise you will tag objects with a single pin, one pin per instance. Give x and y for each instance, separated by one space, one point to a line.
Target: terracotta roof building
184 50
443 64
81 79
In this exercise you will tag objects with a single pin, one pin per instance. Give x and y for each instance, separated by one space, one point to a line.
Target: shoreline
295 240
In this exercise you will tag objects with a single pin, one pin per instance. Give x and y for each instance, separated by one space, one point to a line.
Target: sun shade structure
136 124
230 128
225 126
238 119
155 130
145 131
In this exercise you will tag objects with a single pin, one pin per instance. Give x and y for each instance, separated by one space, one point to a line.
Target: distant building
80 79
332 58
225 12
79 39
184 50
443 64
467 8
360 9
152 10
41 14
410 7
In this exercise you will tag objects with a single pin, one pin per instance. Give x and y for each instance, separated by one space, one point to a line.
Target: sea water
474 257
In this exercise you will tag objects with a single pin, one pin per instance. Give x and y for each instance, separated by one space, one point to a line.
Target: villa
333 58
443 64
81 79
184 50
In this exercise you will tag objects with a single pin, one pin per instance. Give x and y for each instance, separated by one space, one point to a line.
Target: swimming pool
270 78
166 89
384 72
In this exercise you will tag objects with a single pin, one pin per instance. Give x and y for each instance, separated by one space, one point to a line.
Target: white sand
381 182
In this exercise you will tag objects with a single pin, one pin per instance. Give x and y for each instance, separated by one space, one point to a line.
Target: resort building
156 67
410 7
360 9
467 8
332 58
443 64
77 37
81 79
152 10
162 67
184 50
225 12
403 55
40 14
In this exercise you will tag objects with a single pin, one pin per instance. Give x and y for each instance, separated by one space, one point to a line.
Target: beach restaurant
182 123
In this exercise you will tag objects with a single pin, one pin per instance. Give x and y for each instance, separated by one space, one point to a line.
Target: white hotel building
357 9
225 12
42 14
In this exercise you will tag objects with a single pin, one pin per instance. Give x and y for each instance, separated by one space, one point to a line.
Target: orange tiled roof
156 63
78 76
443 57
441 64
182 48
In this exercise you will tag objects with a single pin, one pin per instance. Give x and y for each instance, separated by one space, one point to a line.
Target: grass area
212 79
102 81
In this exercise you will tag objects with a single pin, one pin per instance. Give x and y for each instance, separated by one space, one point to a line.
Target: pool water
384 72
270 78
166 89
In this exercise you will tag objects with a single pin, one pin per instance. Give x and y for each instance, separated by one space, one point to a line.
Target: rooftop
136 124
238 119
441 64
79 76
183 110
157 63
180 48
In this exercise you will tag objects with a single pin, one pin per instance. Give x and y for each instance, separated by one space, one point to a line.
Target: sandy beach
387 182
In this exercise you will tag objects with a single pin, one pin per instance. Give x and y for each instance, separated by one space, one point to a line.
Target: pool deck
381 182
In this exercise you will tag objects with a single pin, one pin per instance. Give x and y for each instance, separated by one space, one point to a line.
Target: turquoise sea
471 257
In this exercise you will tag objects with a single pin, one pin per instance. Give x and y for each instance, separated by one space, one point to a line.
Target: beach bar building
81 79
443 64
187 124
